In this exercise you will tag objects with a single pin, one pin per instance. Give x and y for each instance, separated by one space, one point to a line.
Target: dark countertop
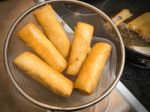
137 80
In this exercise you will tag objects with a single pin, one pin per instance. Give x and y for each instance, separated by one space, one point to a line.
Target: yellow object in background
80 47
92 69
35 39
43 73
121 16
141 25
46 17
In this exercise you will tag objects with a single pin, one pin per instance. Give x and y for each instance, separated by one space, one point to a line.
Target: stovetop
135 79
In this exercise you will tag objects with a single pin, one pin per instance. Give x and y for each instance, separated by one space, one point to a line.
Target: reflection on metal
39 1
143 50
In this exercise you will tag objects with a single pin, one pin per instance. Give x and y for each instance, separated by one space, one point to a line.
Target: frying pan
137 49
39 95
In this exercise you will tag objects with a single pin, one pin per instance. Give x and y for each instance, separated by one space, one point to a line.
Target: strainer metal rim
111 87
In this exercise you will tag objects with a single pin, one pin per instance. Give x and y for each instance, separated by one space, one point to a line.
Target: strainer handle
39 1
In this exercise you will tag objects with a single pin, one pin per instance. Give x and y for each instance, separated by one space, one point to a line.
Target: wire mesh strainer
71 12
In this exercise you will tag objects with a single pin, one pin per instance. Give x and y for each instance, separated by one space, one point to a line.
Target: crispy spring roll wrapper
46 17
80 47
92 69
34 38
40 71
123 15
141 25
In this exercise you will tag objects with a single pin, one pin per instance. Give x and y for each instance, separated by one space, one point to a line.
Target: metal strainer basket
69 12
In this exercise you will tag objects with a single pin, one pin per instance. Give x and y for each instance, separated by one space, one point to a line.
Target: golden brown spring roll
80 47
34 38
92 69
123 15
141 25
34 67
47 19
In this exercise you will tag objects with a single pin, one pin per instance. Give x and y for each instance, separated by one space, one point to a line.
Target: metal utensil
143 50
40 96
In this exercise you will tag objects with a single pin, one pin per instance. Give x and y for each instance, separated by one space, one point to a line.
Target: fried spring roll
92 69
43 73
141 25
80 47
121 16
34 38
47 19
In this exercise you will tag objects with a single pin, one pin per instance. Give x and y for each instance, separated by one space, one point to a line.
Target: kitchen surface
132 92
